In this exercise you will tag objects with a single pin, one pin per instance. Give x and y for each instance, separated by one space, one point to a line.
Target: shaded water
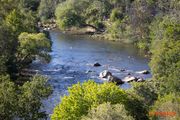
72 59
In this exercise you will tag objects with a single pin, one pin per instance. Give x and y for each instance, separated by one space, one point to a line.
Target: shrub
31 94
116 14
89 95
164 28
107 111
32 45
146 91
8 98
67 16
23 101
83 97
165 66
168 103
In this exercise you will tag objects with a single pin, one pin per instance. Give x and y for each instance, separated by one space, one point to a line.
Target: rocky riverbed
78 58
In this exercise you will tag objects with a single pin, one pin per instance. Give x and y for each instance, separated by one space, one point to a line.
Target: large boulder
105 74
114 79
143 72
130 79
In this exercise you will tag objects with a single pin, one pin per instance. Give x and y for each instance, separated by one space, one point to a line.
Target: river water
72 59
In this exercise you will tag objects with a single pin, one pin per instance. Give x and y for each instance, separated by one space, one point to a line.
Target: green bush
169 103
8 98
20 22
23 101
107 111
32 45
165 66
89 95
116 14
30 98
83 97
146 91
67 16
164 28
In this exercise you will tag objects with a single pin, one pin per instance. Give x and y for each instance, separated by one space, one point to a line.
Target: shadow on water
72 56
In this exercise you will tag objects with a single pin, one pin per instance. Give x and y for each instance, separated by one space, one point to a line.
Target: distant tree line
132 20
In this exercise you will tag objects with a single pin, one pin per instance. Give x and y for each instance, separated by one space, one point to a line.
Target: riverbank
91 31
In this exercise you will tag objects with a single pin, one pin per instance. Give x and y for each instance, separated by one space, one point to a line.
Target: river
72 59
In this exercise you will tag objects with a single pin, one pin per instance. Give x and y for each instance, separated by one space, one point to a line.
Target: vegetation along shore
153 26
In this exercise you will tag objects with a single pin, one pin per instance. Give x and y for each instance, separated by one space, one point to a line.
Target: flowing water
72 59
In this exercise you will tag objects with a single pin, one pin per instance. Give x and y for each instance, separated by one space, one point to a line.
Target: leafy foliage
46 8
20 22
8 98
30 98
32 45
116 14
164 28
169 103
66 16
146 91
20 102
89 95
107 111
23 101
30 4
165 65
82 97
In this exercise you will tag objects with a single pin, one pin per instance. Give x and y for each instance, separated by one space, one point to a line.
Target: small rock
88 71
105 74
129 74
96 64
144 72
122 70
140 80
130 79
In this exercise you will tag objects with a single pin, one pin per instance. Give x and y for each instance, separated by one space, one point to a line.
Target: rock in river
130 79
140 80
105 74
114 79
144 72
96 64
110 78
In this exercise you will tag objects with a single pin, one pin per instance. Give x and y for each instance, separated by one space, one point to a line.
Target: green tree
32 45
8 98
6 6
165 65
67 16
95 13
47 8
82 97
164 28
23 101
116 14
107 111
169 103
20 22
30 4
6 48
89 95
32 93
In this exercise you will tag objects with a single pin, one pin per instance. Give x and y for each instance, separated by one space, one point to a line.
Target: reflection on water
73 56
